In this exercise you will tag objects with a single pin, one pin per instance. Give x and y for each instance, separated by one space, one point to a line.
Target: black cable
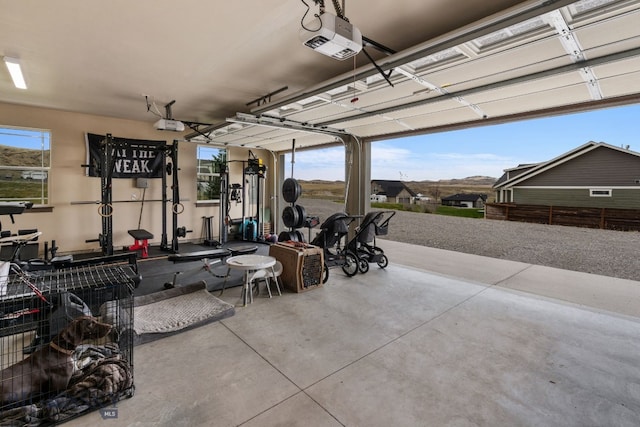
339 11
305 15
149 110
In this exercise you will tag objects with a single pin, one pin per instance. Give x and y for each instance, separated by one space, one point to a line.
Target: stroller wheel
383 261
363 265
350 266
325 274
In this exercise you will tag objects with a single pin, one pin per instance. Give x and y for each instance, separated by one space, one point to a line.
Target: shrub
463 212
431 208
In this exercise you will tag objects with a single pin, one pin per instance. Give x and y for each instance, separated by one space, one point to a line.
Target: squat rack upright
106 166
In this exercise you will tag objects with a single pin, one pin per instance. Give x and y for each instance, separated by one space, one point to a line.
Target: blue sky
486 150
31 139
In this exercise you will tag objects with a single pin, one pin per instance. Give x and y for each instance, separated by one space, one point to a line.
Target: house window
211 162
25 160
599 192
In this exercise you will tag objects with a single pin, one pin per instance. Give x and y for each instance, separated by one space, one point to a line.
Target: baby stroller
375 223
330 239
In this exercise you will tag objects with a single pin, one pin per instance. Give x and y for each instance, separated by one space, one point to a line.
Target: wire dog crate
65 342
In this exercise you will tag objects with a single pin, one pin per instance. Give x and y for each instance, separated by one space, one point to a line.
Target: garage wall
71 224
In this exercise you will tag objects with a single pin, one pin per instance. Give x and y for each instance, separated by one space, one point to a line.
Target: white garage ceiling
233 65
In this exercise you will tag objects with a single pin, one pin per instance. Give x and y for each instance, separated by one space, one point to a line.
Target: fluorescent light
16 73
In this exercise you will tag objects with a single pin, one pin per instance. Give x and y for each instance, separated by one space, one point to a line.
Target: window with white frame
25 162
600 192
211 162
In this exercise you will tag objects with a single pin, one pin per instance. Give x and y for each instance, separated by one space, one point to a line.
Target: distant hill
321 189
324 189
470 180
12 156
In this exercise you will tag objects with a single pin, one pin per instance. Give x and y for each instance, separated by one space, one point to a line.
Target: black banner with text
133 158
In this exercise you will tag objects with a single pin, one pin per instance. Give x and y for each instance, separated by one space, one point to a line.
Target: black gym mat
156 270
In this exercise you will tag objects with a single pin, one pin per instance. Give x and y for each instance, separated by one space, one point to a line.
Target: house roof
563 158
465 197
391 188
514 172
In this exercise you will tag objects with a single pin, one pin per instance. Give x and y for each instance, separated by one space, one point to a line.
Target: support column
357 175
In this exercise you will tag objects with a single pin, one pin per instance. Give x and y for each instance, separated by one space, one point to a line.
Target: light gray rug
175 310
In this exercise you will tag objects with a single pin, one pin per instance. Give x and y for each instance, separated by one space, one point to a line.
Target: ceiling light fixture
13 65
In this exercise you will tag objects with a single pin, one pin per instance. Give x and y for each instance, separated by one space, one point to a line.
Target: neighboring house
395 191
594 175
465 200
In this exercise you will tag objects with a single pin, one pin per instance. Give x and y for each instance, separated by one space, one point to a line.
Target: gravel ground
604 252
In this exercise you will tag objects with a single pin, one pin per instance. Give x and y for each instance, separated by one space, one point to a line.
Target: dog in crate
49 368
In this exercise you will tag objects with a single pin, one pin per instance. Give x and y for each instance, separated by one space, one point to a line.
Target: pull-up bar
97 202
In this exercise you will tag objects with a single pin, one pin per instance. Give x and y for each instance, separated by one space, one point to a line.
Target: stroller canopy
332 229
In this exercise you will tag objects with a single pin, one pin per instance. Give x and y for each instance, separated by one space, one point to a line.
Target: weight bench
208 257
197 256
212 253
142 241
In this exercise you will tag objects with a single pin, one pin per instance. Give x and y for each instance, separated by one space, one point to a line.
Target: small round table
248 264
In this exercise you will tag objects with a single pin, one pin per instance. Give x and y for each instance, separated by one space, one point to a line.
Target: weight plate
291 190
290 217
285 236
302 216
299 236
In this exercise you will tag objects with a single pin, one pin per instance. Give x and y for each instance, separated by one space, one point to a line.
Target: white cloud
388 162
389 154
488 157
327 164
407 165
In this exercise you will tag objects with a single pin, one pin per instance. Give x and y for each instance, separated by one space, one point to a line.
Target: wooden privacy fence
605 218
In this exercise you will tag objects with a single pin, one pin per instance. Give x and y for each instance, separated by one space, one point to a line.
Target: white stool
274 273
253 266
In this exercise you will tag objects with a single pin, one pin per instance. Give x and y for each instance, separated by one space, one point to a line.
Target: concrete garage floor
437 339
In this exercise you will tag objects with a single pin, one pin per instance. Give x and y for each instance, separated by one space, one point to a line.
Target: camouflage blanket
103 377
